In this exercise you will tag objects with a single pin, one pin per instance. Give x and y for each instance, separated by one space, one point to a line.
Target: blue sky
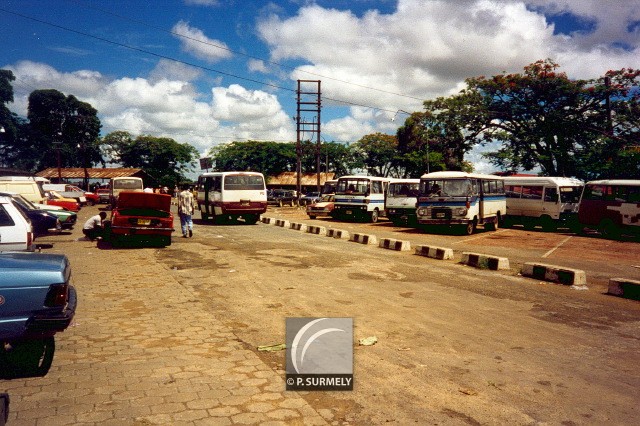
208 72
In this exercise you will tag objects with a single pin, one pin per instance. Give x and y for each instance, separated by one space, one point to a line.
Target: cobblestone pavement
142 350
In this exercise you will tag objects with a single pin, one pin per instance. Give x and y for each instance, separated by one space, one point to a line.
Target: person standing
92 228
186 207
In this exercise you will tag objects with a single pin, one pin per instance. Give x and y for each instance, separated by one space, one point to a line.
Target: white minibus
228 196
360 197
119 184
461 199
547 201
400 202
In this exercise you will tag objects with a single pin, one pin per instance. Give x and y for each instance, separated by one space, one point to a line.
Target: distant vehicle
462 200
329 187
119 184
42 222
38 301
26 186
67 191
360 197
550 202
141 218
611 206
55 199
103 195
309 198
16 233
229 196
324 207
400 202
280 197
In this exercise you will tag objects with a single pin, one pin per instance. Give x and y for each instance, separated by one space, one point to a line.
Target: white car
16 233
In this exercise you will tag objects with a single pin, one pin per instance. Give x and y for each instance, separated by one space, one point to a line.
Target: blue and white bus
461 199
360 197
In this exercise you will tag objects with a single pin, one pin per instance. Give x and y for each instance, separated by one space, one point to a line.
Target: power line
137 21
137 49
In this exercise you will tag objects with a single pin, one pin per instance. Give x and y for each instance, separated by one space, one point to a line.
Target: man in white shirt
186 207
92 228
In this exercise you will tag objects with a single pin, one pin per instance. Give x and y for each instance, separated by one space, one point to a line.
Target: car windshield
19 199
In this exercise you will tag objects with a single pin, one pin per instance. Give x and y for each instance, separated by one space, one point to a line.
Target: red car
55 199
141 218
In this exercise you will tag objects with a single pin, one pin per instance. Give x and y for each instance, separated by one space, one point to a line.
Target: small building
308 181
91 174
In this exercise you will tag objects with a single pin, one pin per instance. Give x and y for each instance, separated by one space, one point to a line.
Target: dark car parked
36 302
42 221
280 197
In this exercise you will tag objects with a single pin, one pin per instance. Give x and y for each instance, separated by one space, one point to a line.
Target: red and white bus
228 196
611 206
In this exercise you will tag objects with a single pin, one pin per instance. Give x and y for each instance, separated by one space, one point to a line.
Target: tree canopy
163 159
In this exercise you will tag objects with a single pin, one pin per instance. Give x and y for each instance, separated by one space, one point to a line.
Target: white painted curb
556 274
364 239
317 230
392 244
624 287
439 253
338 233
298 226
485 261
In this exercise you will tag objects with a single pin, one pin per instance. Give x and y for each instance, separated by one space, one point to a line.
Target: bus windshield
127 184
570 194
404 189
447 187
352 186
243 182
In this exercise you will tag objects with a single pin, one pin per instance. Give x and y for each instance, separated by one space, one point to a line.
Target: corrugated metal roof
78 173
306 179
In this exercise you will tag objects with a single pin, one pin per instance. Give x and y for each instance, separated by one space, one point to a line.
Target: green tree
417 147
62 128
163 159
8 125
377 153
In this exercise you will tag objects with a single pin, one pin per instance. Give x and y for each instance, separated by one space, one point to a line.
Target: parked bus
611 206
461 199
360 197
329 187
229 196
400 202
119 184
549 202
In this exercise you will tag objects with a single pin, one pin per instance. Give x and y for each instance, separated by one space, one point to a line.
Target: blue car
36 302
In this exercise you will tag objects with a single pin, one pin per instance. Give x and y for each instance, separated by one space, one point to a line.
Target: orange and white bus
611 206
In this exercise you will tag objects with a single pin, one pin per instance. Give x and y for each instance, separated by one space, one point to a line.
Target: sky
209 72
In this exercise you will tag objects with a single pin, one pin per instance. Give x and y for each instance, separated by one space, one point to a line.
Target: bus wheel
470 227
493 226
548 224
608 229
374 216
251 219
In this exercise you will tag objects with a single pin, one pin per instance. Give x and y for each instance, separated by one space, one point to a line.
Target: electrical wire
137 21
137 49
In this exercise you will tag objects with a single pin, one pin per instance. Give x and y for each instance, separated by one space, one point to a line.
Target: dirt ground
456 345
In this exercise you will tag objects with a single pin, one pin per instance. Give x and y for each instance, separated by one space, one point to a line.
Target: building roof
97 173
306 179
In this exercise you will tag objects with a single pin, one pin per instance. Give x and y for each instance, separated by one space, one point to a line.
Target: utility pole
308 100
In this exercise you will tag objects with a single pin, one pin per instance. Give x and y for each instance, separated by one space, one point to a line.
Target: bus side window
551 195
485 186
376 187
217 184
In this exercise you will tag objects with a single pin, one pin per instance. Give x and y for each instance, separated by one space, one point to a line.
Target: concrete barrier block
266 220
317 230
338 233
485 261
553 273
298 226
393 244
364 239
624 287
439 253
282 223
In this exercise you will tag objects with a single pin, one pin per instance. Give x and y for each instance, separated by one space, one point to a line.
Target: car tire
27 358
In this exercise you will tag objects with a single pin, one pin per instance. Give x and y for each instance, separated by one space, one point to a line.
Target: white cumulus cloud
195 42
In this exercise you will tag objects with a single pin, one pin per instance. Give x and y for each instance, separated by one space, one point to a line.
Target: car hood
323 204
33 269
148 200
